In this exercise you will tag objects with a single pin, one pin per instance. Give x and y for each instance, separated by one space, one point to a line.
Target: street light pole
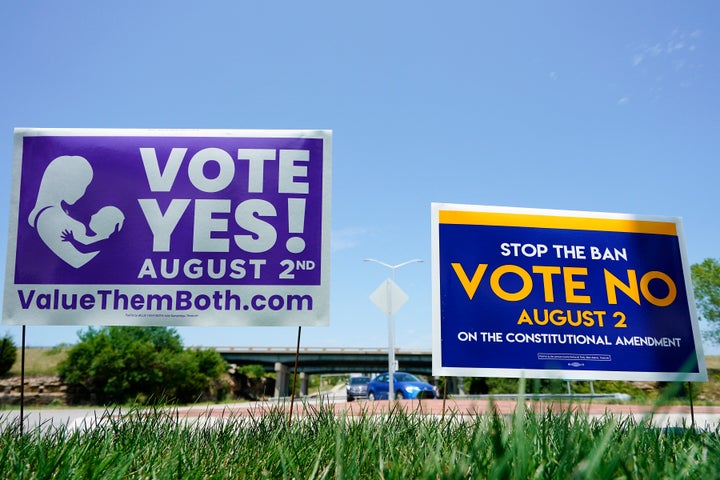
391 322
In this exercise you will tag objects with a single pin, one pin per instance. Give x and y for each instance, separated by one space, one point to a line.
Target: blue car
406 385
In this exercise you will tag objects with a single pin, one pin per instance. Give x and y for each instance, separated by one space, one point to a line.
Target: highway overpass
319 360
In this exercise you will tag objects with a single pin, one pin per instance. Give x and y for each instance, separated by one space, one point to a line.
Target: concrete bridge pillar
461 385
455 385
281 380
303 384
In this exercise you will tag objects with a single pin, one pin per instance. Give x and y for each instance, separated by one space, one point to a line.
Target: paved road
704 416
74 418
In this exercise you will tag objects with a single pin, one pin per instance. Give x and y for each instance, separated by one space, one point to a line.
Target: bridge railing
347 350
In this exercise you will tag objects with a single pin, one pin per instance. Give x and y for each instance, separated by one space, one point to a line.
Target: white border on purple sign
320 316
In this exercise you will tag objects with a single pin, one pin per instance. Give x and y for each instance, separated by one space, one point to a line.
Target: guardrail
348 350
620 397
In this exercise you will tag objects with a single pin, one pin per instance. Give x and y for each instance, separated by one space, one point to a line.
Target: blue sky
606 106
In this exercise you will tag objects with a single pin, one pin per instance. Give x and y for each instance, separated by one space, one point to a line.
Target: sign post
388 297
168 228
562 294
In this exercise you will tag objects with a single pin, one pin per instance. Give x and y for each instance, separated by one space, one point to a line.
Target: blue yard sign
562 294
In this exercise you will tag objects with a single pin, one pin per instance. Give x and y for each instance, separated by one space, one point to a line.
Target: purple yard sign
169 227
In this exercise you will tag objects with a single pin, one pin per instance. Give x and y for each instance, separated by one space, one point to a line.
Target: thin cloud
678 43
347 238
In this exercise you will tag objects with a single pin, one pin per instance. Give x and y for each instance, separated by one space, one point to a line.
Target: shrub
8 354
116 365
250 382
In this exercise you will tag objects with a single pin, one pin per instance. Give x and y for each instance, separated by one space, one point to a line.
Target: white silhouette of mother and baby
65 180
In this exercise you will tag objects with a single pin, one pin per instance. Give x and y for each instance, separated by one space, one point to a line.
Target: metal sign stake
297 356
22 383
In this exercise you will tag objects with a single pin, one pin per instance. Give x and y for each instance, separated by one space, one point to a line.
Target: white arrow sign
388 297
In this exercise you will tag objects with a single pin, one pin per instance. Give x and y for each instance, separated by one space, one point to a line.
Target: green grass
40 361
399 445
713 362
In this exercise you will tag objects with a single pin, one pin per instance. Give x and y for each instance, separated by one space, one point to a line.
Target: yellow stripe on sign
459 217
